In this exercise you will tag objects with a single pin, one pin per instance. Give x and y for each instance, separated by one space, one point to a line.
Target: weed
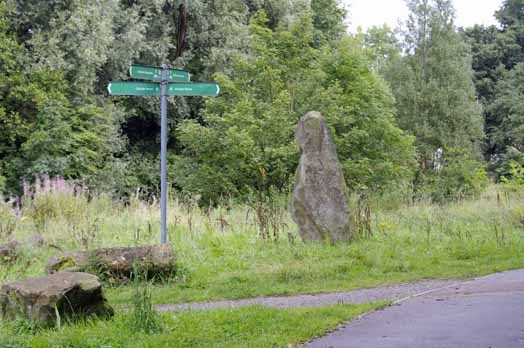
144 318
8 220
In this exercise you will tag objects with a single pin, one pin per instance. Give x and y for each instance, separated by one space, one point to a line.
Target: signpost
133 88
173 89
155 74
170 82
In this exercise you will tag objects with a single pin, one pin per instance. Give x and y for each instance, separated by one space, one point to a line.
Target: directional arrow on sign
174 89
155 74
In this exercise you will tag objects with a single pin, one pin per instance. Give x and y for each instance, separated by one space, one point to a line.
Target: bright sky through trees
366 13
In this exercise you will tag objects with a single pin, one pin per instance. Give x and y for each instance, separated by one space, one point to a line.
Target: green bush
246 141
514 181
461 177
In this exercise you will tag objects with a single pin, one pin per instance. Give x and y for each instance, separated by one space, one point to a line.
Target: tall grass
224 252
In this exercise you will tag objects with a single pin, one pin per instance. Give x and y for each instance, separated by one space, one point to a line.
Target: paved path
487 312
383 293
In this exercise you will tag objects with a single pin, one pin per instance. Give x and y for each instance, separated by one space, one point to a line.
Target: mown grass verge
254 326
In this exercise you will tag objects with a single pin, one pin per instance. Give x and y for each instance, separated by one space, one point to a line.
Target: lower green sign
193 89
174 89
133 88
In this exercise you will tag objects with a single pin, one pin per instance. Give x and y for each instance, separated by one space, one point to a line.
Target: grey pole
163 155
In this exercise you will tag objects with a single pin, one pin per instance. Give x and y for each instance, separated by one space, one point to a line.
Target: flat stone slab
116 263
43 300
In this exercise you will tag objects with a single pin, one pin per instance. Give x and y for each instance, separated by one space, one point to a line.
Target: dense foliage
498 55
44 128
429 69
391 99
247 139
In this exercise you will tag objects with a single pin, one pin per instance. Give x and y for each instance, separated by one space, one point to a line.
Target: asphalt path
487 312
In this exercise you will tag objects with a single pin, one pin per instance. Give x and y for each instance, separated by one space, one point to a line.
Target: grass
242 327
221 255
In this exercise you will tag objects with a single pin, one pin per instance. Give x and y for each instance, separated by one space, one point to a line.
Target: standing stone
319 204
47 299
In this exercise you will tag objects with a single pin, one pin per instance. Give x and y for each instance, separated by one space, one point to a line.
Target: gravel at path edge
382 293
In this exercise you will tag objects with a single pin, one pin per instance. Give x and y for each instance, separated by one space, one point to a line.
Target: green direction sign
133 88
193 89
174 89
155 74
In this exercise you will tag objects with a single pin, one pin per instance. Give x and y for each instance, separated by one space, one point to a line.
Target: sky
366 13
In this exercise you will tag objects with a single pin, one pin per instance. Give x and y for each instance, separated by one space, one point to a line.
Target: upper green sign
155 74
174 89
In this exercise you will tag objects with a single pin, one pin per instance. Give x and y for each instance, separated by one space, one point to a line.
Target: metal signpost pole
163 154
180 86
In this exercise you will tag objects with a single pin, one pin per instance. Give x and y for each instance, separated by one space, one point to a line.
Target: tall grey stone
319 205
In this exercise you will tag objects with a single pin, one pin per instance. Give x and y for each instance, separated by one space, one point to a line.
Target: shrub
514 181
246 140
461 177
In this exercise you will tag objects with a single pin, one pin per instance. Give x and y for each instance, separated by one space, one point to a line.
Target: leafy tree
487 56
247 140
436 101
85 44
41 130
433 82
511 19
382 47
497 52
507 111
279 12
328 19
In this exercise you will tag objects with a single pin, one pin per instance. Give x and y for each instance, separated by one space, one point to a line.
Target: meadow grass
254 326
221 254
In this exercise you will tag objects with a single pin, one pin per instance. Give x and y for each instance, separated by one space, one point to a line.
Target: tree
382 47
507 110
436 101
41 130
247 142
433 82
328 20
496 52
487 57
511 19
